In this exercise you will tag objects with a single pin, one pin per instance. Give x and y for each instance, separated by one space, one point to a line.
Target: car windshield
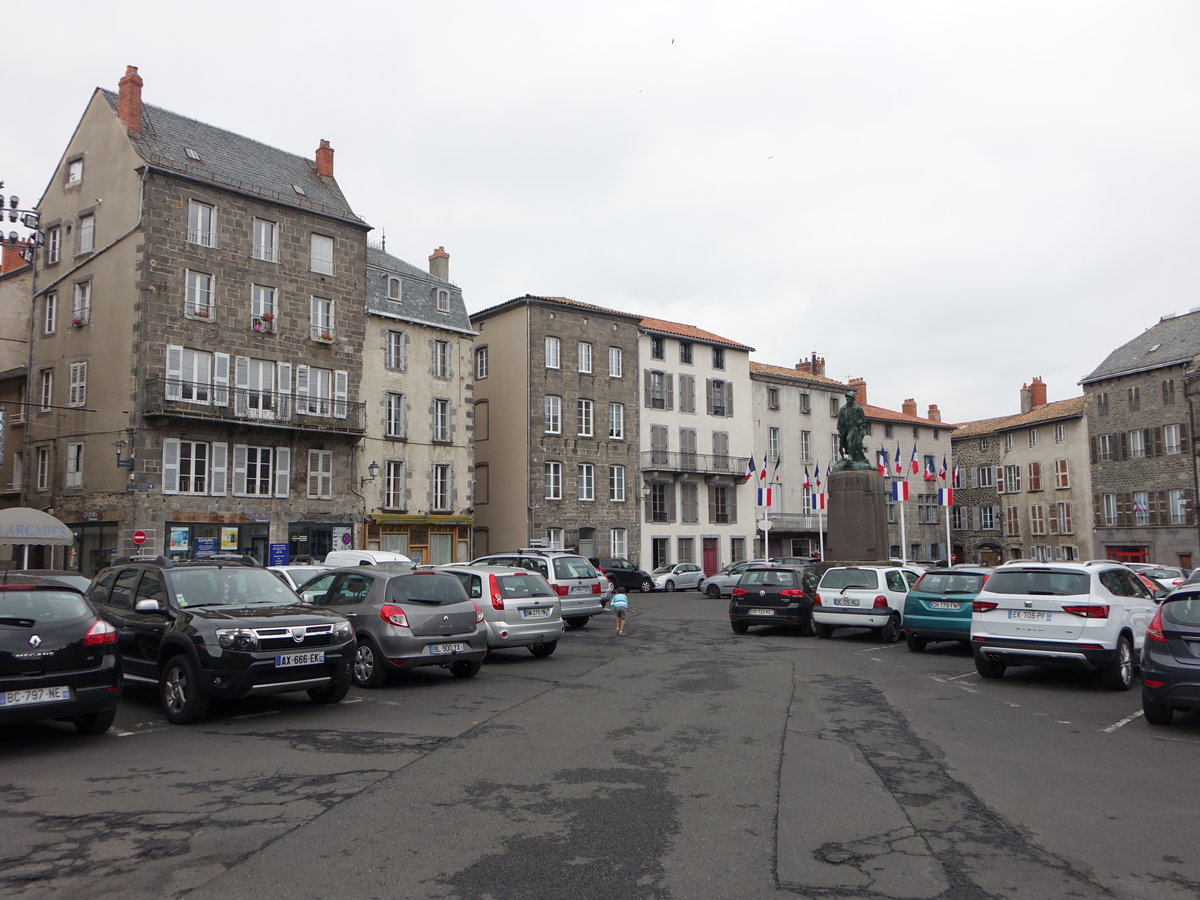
663 570
850 578
437 589
573 567
1046 582
41 606
950 583
229 586
522 585
1162 573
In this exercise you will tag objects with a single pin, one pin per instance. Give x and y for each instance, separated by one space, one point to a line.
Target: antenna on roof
383 241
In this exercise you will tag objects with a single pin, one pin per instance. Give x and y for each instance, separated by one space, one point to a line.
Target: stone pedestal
857 518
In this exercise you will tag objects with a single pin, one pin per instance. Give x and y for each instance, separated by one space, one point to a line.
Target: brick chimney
934 413
325 159
815 366
11 259
439 264
1037 392
859 385
909 407
129 100
1026 399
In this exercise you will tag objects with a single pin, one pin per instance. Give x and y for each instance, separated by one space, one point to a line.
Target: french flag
899 490
942 470
817 475
818 501
807 484
750 470
930 475
897 461
762 476
882 458
912 463
945 496
764 496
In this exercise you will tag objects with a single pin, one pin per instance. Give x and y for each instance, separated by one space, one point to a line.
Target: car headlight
343 631
237 639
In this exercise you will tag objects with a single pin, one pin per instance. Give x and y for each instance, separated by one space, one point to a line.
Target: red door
710 557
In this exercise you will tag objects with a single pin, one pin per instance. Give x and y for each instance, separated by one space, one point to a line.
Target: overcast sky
944 198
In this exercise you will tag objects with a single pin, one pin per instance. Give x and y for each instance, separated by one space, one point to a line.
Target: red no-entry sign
139 537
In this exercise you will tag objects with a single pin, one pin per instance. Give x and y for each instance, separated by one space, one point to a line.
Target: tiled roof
418 293
757 368
691 332
1175 339
1059 409
564 301
231 161
879 414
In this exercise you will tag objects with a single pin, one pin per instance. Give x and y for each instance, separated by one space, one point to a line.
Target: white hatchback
863 597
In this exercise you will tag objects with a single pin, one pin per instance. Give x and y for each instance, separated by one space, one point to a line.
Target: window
1062 475
1008 442
957 520
1177 504
1011 483
618 542
1171 441
1106 447
320 474
53 245
255 470
983 445
395 416
77 388
321 256
254 381
42 463
1108 506
615 362
441 487
983 477
660 502
75 171
1137 443
196 376
658 390
194 467
1037 519
806 446
1168 392
804 403
441 359
394 350
443 300
265 240
552 479
1060 433
1035 476
50 313
584 351
1135 397
834 407
553 352
85 234
202 224
685 352
200 295
737 549
687 552
553 417
586 481
773 442
441 420
1012 521
987 518
1061 521
720 397
1141 507
835 446
772 398
81 306
481 362
1102 403
315 390
718 357
47 389
393 484
616 483
586 417
616 421
321 319
720 505
657 347
262 307
393 288
74 464
1033 438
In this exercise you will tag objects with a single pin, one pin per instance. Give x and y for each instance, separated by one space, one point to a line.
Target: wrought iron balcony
693 463
245 406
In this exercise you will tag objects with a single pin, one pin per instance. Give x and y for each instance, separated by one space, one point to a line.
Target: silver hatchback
520 609
569 574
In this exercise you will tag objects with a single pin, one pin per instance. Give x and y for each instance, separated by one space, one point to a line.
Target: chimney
909 407
1026 398
934 413
325 159
129 100
860 390
12 258
1037 392
439 264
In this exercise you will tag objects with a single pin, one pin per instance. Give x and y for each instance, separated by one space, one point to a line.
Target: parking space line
1123 722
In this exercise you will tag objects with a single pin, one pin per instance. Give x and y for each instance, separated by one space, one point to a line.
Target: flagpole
903 535
821 532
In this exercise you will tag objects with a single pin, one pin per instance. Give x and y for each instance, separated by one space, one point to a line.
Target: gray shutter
646 386
170 466
729 398
708 396
174 387
671 502
669 384
731 493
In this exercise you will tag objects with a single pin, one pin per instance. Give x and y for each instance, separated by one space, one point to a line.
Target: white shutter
341 389
302 382
284 406
174 372
241 407
218 478
170 466
220 379
283 472
239 470
314 473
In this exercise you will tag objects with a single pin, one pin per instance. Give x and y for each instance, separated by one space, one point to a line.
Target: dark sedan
1171 658
773 595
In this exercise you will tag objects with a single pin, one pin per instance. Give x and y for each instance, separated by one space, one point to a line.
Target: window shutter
999 474
219 472
1095 448
170 466
1017 479
1154 443
220 379
174 373
284 406
341 389
1158 505
731 494
1124 445
646 386
1097 511
283 472
708 396
670 502
729 398
239 470
1053 518
1064 521
302 386
712 503
1125 508
669 381
649 510
241 406
314 473
1183 447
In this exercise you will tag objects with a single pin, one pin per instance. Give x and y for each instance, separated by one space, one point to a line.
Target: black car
774 595
1171 658
624 575
58 658
220 628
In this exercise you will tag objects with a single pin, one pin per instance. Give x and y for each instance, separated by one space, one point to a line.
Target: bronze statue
852 426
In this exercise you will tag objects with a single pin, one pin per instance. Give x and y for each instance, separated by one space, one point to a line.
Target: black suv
220 628
624 575
774 595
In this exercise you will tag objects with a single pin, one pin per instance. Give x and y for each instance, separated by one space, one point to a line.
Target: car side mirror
148 605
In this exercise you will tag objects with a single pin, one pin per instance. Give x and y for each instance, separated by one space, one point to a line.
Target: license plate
762 612
943 604
581 589
35 695
845 601
284 660
1033 615
535 613
440 649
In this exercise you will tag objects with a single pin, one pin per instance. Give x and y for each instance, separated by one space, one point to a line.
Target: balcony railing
697 463
271 409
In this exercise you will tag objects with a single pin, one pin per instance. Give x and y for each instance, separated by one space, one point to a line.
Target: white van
364 557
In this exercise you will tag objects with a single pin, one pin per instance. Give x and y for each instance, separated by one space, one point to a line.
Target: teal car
938 608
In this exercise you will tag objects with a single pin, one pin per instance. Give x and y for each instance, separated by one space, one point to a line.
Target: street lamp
373 469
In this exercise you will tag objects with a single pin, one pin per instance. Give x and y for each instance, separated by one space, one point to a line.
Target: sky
943 198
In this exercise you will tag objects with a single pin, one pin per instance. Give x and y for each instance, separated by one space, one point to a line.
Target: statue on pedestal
852 426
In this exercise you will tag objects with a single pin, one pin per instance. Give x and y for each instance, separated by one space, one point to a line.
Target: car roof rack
217 559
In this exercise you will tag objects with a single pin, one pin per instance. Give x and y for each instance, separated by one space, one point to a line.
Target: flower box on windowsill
203 315
79 322
264 323
323 338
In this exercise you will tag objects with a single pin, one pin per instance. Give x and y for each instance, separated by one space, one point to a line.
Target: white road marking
1123 722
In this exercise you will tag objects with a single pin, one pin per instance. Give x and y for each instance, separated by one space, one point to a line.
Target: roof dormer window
191 154
299 190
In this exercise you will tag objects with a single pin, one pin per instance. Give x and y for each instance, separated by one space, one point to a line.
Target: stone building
1141 423
16 281
199 327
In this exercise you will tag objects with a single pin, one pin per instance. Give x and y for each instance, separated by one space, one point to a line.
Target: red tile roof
879 414
757 368
691 332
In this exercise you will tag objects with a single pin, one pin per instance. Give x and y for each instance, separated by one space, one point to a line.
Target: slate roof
564 301
1177 339
1059 409
418 294
792 374
235 162
690 332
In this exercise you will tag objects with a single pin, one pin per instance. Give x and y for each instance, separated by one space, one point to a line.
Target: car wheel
669 586
336 690
915 644
821 630
1156 713
739 627
988 668
465 669
543 649
368 667
890 633
713 592
647 585
95 723
1118 674
806 627
179 691
576 621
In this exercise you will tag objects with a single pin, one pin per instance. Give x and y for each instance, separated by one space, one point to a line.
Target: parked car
623 574
519 608
364 558
209 628
1068 615
68 577
795 560
1171 576
721 584
1171 657
773 595
572 577
606 590
1157 589
295 575
677 577
404 619
938 608
58 658
863 597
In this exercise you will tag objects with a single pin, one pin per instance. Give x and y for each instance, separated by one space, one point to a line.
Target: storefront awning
24 525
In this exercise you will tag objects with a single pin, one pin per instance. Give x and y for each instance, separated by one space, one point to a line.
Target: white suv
1069 615
863 597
